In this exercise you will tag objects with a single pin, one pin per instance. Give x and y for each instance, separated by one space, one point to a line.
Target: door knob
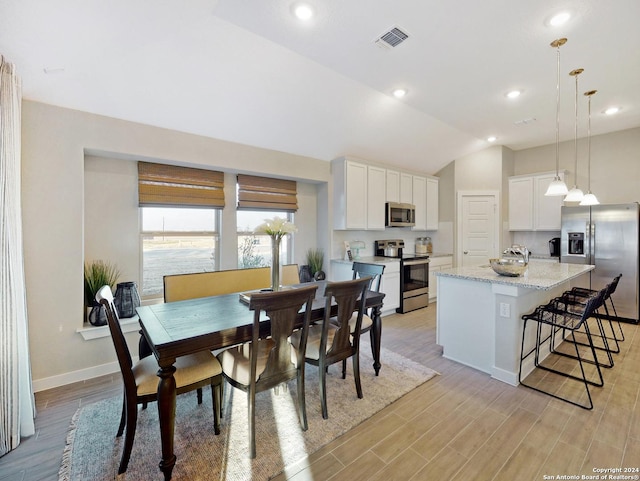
465 252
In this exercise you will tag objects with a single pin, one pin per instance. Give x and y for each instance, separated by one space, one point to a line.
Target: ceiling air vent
392 38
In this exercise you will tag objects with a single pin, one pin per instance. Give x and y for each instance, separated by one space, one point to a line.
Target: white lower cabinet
437 264
390 284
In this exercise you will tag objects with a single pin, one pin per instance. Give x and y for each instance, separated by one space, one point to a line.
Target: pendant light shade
557 186
589 198
575 194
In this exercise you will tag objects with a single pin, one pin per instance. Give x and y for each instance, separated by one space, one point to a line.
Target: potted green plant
315 260
97 274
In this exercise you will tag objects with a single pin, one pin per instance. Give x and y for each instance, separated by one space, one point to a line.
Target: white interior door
477 228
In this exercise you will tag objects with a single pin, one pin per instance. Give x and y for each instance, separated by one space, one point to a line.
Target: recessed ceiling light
493 138
514 94
612 110
399 93
302 11
559 19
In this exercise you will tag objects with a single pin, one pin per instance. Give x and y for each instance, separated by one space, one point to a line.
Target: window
261 198
180 221
255 250
177 240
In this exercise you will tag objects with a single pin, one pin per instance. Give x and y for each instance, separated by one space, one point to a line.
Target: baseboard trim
76 376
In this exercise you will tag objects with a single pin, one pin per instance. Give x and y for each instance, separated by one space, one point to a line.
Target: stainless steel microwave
399 215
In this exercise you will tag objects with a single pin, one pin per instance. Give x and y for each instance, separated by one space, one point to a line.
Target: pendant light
589 198
575 194
557 185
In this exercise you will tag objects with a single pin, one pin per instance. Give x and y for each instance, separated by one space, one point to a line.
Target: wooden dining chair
271 359
141 381
374 271
334 340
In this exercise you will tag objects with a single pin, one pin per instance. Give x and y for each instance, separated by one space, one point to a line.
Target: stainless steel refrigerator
607 236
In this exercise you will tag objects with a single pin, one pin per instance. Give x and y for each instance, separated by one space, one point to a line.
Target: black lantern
126 299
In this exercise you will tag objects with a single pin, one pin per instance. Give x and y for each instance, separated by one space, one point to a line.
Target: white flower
276 227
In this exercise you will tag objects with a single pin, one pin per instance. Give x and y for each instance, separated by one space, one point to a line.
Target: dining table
175 329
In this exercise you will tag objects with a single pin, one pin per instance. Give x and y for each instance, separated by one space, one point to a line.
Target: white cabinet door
341 270
521 203
349 194
547 208
390 285
406 188
420 202
529 208
432 204
356 195
393 186
437 264
376 185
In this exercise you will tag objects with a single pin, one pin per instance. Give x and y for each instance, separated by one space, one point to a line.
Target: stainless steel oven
414 283
414 274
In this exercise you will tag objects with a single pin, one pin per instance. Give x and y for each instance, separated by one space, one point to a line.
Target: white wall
55 142
615 164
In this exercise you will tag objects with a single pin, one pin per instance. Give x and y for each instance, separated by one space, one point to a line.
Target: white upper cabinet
357 202
420 202
376 185
529 208
521 203
360 192
432 203
406 188
393 186
547 210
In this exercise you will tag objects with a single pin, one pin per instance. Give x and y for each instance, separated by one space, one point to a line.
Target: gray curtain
17 407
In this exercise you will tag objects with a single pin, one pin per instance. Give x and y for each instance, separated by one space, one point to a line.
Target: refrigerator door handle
593 243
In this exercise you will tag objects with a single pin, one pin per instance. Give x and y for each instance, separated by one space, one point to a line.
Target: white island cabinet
479 313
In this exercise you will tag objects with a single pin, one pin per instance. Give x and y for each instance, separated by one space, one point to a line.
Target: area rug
93 453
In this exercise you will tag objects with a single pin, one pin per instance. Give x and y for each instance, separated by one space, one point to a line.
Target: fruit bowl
508 267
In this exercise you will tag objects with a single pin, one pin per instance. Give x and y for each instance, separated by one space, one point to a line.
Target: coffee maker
554 247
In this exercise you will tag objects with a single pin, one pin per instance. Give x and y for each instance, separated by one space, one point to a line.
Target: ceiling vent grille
391 38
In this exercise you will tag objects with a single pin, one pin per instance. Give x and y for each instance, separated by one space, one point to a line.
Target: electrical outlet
505 310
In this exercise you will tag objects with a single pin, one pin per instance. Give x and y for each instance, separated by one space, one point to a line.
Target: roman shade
265 193
170 185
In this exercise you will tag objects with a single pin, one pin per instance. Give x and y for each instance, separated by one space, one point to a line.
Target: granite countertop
384 260
368 259
539 275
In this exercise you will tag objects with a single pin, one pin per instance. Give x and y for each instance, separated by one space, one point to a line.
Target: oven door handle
415 262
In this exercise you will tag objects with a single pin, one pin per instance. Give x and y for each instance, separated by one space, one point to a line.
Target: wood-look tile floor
461 425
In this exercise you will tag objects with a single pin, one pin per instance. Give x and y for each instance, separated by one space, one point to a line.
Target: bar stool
569 318
585 293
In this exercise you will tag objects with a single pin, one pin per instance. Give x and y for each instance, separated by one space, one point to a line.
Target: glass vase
275 263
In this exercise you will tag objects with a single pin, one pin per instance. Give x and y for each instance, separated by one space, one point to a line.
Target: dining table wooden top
178 328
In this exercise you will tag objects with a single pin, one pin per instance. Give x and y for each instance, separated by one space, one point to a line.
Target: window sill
129 324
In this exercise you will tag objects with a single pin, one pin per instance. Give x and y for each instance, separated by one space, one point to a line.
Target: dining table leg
376 334
167 417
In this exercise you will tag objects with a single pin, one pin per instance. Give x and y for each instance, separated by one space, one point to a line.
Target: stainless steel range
414 274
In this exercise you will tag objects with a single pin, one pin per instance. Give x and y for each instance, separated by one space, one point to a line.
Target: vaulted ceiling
248 71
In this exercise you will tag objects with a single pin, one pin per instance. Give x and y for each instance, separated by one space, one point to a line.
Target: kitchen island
479 313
